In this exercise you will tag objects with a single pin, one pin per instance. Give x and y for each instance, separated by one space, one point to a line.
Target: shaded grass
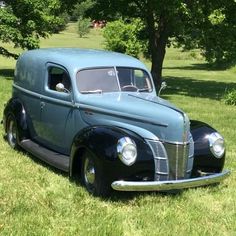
7 73
197 88
195 66
38 200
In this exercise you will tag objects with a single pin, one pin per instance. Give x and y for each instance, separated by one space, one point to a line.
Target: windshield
102 80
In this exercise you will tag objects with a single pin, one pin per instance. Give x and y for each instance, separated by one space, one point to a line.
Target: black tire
93 177
12 132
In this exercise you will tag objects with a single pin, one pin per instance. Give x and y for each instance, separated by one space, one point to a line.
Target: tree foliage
126 39
208 25
23 22
84 25
211 28
80 8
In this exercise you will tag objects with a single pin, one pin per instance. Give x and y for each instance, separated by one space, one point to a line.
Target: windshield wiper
92 91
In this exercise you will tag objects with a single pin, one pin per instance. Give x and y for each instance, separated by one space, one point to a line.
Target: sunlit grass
38 200
70 38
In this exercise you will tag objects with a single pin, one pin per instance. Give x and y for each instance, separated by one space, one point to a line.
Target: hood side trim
164 105
120 115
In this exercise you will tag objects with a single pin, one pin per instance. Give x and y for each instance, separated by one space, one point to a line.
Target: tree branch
6 53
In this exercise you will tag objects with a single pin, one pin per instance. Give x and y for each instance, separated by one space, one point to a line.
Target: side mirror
163 86
61 88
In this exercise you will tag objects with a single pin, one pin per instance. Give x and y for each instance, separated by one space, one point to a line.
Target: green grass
38 200
70 38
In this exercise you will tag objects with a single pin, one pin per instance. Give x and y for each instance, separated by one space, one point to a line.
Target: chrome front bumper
169 185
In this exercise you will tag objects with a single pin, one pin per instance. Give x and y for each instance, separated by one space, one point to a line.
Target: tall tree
23 22
209 25
80 8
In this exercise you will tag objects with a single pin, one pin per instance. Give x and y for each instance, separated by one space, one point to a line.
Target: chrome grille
172 161
191 156
177 157
160 159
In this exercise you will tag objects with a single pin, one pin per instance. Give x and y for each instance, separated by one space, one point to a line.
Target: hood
136 111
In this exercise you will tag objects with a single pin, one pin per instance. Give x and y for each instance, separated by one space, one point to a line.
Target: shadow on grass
126 197
115 196
203 66
38 161
196 88
198 66
7 73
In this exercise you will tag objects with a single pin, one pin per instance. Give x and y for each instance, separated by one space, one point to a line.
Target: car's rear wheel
92 176
12 132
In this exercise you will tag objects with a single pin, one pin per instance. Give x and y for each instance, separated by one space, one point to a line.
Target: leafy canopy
126 39
80 9
211 27
207 25
23 22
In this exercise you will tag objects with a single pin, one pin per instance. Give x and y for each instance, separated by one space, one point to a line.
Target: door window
57 75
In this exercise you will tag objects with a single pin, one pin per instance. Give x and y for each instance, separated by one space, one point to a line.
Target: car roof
75 59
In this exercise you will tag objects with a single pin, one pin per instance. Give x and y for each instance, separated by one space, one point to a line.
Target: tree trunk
158 38
158 52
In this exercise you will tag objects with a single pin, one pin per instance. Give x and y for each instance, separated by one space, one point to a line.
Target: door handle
42 105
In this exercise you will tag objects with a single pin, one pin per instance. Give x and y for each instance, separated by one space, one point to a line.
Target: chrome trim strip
37 95
171 142
160 158
169 185
27 91
161 173
120 114
177 169
175 143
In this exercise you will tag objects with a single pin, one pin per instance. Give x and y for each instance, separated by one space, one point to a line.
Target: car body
96 113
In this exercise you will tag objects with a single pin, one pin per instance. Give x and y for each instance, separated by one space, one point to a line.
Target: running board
52 158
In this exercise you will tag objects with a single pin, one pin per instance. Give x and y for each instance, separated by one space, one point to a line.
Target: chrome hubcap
89 171
12 133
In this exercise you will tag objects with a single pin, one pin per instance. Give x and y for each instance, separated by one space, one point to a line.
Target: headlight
217 144
127 151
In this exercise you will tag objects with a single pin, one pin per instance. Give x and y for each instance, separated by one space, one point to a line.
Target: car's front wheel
93 177
12 132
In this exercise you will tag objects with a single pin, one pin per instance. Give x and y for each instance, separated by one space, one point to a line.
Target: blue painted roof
75 59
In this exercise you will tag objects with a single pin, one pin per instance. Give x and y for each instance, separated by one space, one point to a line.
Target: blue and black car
96 114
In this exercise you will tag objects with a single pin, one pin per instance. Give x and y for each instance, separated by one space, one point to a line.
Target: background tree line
137 26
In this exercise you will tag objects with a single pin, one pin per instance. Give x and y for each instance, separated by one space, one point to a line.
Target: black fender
204 160
16 108
102 142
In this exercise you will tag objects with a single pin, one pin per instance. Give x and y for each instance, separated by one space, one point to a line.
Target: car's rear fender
16 108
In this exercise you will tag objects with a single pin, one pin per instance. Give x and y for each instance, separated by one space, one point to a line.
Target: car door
57 114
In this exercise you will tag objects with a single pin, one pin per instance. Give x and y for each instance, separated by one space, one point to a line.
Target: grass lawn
36 199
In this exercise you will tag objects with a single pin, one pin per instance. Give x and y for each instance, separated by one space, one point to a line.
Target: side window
125 76
134 79
58 75
140 79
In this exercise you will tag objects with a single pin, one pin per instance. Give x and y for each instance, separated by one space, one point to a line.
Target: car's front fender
204 160
102 142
